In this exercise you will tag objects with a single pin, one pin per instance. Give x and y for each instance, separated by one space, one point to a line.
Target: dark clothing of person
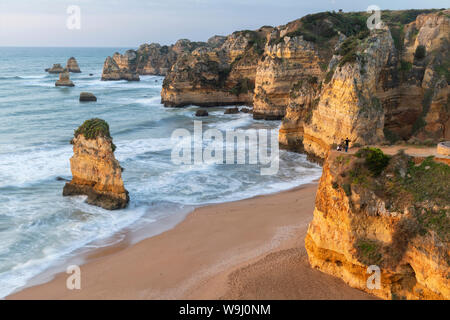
347 142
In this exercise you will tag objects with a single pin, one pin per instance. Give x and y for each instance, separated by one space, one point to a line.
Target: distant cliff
326 75
149 59
221 75
388 212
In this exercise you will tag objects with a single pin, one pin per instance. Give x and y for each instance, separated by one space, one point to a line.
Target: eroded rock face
95 171
64 80
121 67
359 222
150 59
284 66
219 74
376 89
72 65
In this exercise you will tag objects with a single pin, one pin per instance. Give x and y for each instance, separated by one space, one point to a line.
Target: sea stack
95 171
64 80
72 65
57 68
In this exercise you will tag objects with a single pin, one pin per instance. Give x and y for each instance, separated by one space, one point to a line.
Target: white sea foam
39 227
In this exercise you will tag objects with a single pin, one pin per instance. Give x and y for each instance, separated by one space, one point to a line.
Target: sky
129 23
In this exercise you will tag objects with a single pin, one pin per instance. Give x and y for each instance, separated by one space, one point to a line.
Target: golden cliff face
415 92
360 220
348 105
121 67
221 75
96 173
379 88
284 65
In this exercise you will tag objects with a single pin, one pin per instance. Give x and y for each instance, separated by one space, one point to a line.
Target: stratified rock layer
397 221
95 171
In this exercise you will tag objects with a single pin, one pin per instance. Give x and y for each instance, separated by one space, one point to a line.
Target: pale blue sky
121 23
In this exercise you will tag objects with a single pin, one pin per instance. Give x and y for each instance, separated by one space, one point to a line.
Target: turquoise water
38 227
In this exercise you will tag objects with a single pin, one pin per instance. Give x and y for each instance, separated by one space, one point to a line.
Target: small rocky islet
87 97
64 80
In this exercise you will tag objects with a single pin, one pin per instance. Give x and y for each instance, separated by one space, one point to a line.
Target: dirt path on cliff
415 151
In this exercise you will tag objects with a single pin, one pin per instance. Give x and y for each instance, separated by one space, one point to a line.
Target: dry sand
249 249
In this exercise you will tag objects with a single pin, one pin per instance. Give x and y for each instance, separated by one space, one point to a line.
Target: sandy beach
249 249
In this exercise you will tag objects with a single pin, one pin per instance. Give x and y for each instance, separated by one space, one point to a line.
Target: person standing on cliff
347 142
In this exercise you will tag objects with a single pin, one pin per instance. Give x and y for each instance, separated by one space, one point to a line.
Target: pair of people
344 145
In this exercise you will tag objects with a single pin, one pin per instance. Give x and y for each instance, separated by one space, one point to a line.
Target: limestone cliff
216 75
386 212
121 67
95 171
284 65
150 59
384 85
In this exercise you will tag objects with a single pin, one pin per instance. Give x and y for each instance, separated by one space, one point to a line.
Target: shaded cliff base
254 251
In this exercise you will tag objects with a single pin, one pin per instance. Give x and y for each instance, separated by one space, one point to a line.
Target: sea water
39 227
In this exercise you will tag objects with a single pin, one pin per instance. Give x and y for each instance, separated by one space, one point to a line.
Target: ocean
39 227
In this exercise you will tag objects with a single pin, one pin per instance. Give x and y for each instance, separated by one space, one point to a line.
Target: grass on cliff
369 251
375 159
93 128
418 193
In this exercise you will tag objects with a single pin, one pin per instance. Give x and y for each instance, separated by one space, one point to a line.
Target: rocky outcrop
286 64
72 65
150 59
231 111
95 171
57 68
87 97
154 59
384 85
385 213
64 80
121 67
223 74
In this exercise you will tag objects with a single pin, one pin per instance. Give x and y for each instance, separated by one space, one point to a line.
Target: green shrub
93 128
347 189
349 47
405 66
375 159
369 251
